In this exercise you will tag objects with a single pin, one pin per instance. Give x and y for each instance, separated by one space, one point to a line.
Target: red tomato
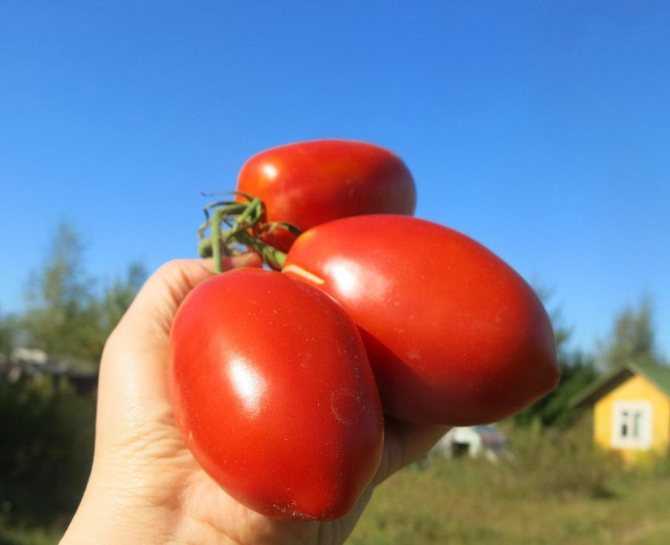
453 334
309 183
274 394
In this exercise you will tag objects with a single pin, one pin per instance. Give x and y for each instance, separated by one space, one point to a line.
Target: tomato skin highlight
454 335
313 182
274 394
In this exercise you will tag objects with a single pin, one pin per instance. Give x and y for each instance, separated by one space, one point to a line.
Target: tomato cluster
280 379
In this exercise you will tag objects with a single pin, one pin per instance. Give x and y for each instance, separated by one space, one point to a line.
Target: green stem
240 224
274 257
228 208
245 217
215 235
271 255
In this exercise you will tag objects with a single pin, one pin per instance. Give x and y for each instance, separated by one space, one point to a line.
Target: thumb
132 385
151 313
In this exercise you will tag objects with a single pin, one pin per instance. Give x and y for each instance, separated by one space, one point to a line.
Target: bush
29 536
47 447
566 463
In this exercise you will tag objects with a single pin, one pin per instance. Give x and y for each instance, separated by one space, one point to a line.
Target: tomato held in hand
454 335
274 394
309 183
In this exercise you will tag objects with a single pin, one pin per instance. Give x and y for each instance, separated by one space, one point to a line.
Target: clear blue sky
542 129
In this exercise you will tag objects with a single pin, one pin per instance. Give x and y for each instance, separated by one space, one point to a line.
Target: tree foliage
47 459
632 337
9 332
61 317
65 316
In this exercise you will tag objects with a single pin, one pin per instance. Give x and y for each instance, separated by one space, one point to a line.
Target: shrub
564 463
47 446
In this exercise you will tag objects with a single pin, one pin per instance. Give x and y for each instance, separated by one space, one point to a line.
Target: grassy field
555 490
460 503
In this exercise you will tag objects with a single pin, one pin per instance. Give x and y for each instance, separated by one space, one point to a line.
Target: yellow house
631 410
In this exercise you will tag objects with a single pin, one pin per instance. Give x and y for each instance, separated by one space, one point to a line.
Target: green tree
9 331
46 461
47 447
63 316
632 337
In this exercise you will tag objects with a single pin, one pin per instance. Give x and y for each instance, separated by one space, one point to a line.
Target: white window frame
641 408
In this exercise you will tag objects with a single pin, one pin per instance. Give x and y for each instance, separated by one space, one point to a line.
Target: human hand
145 486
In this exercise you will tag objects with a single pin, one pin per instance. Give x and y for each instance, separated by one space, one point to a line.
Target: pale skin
145 487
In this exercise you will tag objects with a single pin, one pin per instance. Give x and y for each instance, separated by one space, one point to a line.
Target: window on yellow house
632 424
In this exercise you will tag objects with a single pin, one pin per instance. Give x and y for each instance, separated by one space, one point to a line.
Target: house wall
636 388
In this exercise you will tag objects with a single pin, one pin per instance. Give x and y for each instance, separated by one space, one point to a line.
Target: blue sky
539 128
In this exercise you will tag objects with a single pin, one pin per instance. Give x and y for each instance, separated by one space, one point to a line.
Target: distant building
34 362
472 441
631 409
29 355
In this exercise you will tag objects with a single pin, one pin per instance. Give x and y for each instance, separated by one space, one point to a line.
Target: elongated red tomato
454 335
309 183
274 394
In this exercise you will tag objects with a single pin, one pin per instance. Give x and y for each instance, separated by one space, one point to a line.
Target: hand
145 487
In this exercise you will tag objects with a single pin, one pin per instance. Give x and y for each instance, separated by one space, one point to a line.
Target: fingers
405 443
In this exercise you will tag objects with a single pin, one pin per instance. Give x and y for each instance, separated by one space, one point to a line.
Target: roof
655 373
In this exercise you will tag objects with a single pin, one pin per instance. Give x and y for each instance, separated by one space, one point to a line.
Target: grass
556 489
458 503
30 536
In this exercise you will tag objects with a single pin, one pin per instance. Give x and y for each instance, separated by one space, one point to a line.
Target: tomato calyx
245 226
